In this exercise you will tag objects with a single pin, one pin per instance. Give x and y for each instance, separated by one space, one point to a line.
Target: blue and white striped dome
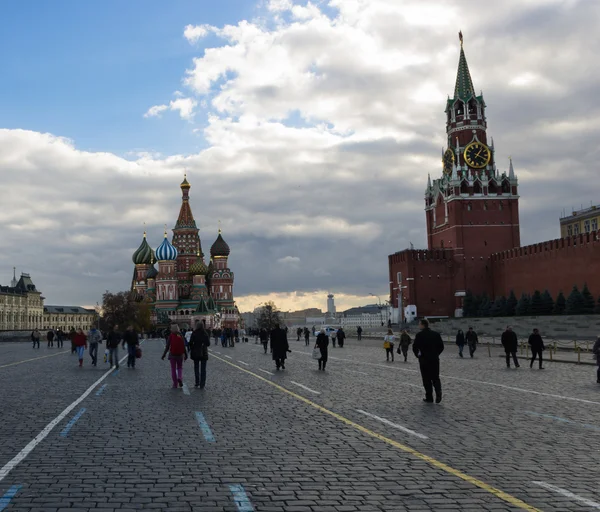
166 251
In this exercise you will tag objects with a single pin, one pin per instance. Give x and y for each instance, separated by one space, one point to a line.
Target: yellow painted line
34 359
430 460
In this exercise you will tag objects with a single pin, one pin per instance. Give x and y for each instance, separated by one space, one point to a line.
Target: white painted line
563 420
568 494
229 357
186 390
391 424
217 352
242 362
14 462
265 371
304 387
355 371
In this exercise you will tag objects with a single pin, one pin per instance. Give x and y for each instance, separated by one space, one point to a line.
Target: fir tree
511 304
560 305
597 309
588 300
499 308
536 307
484 306
575 304
548 303
469 304
522 308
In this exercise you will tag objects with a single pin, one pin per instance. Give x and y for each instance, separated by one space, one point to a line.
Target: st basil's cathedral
184 289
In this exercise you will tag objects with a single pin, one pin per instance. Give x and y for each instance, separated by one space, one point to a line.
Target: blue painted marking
206 431
65 431
116 372
563 420
9 495
99 392
241 498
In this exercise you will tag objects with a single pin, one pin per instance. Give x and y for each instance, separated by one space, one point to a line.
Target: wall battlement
409 255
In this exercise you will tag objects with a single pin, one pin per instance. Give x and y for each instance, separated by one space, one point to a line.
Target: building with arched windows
184 288
21 305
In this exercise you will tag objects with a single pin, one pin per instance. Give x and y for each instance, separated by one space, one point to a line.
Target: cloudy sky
307 128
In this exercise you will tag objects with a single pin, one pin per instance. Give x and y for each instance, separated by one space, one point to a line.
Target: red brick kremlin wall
555 265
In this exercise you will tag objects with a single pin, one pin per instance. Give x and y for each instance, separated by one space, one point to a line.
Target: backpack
177 345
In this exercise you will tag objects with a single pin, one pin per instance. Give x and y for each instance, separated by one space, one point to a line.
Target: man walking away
460 341
60 335
264 338
50 338
199 343
427 348
299 333
537 347
596 351
279 346
306 336
35 337
94 337
359 332
472 341
405 342
510 344
341 337
322 344
131 338
112 344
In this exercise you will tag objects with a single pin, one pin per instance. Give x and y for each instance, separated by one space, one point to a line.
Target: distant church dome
166 251
152 272
143 255
198 268
220 247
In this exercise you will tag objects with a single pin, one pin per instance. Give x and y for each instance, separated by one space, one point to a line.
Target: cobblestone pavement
354 438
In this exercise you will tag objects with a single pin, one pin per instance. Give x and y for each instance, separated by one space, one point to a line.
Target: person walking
60 335
299 333
427 348
94 337
359 332
472 341
35 337
460 341
306 336
388 345
133 341
199 343
80 342
323 345
50 338
175 347
264 338
596 351
510 343
113 341
333 338
537 347
279 346
72 334
341 337
405 342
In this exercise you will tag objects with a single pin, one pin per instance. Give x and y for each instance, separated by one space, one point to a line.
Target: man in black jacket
279 346
199 343
510 344
112 344
427 348
537 347
472 341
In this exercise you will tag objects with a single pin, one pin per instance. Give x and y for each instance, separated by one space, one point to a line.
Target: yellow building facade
580 221
21 306
69 317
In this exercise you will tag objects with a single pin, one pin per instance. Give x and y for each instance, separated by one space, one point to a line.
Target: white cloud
156 110
280 5
193 33
289 261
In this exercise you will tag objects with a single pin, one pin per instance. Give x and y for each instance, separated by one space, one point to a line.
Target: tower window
469 207
485 205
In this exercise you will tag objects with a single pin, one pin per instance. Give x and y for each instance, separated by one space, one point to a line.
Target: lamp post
379 306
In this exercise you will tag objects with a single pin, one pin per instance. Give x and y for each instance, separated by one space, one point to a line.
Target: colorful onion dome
220 247
166 251
198 268
143 255
152 272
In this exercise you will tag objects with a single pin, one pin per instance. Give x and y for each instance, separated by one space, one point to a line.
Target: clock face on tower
477 155
448 161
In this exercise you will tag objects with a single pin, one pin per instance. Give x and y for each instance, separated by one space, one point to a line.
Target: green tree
269 316
123 309
560 305
575 304
597 309
522 308
536 306
499 307
588 300
548 303
484 306
469 304
511 304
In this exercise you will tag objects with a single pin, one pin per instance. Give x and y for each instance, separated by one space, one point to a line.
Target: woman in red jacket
177 354
80 342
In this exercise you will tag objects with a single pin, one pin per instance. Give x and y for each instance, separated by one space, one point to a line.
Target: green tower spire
464 85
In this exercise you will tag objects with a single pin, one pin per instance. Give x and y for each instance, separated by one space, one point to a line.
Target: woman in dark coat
199 343
460 341
279 346
323 345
